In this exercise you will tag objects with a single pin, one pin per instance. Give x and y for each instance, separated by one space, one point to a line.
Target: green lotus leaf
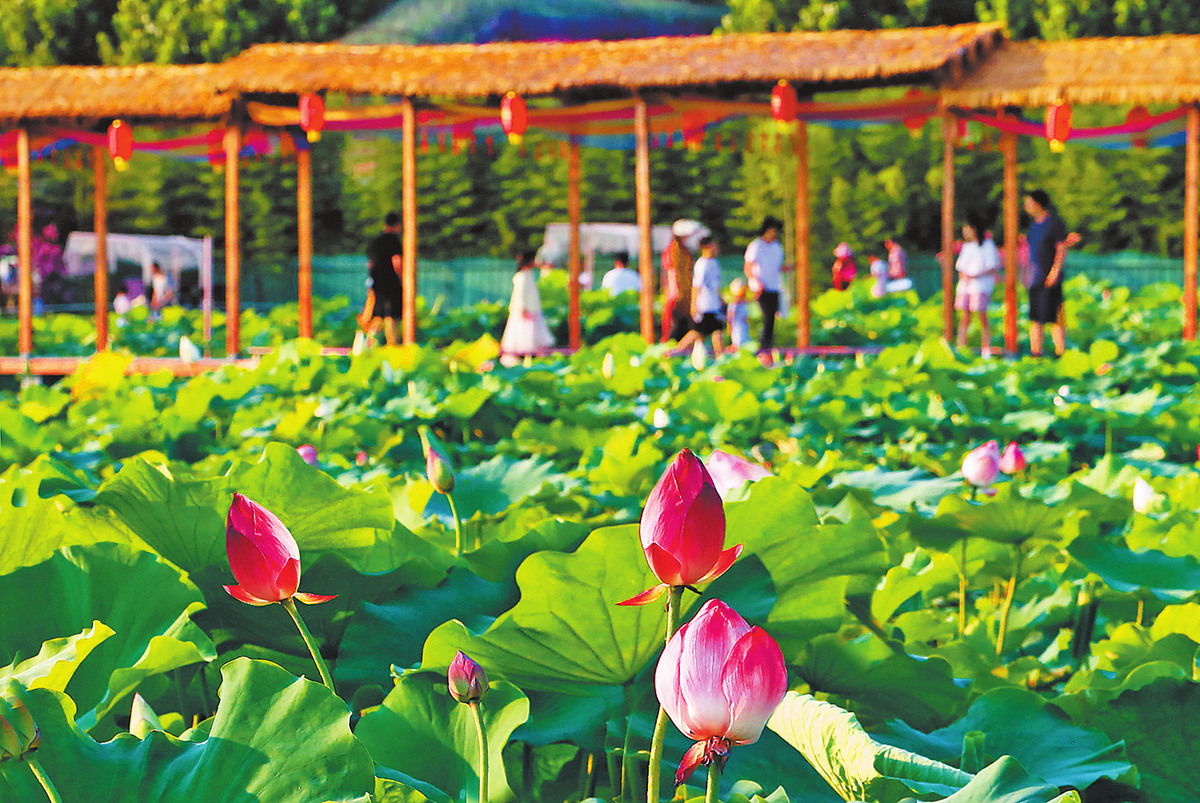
900 489
493 486
567 632
274 737
1147 572
56 661
421 731
1005 781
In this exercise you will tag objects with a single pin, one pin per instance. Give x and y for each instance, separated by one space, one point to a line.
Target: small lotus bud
142 718
437 467
661 419
18 733
468 682
308 453
609 366
360 459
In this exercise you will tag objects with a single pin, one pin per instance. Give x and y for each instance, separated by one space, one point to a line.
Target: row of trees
866 184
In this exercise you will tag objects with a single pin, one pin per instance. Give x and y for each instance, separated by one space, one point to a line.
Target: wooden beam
949 133
1190 222
803 236
641 183
233 248
100 227
24 244
574 216
304 233
408 200
1008 145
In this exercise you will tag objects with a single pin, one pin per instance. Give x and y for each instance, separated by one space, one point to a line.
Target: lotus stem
483 751
458 539
1141 609
654 774
289 605
1008 601
43 778
714 777
962 591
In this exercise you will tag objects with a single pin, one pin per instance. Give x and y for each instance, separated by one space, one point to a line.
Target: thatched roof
538 68
1113 70
144 92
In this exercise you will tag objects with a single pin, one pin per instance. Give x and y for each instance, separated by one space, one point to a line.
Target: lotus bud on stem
468 685
441 477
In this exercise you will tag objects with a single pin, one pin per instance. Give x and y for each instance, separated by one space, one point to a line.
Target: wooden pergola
1100 71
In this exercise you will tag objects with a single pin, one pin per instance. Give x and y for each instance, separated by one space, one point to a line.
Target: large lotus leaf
403 622
421 731
31 528
141 597
807 560
1160 729
1018 723
724 403
493 486
567 632
506 543
1109 476
927 574
184 520
1130 658
1005 781
900 489
274 737
57 659
629 463
1148 571
850 761
1008 518
877 683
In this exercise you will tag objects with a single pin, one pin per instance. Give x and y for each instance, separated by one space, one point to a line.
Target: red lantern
1058 126
1138 115
312 115
120 143
514 117
915 123
784 104
8 149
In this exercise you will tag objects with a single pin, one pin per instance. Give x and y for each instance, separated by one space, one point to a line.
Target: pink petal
754 680
666 678
723 563
242 595
647 596
730 472
713 632
664 565
288 579
250 568
703 536
691 760
313 599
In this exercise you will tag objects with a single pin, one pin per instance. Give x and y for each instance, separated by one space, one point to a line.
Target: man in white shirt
621 279
764 266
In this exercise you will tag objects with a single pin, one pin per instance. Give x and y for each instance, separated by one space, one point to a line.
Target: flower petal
691 760
666 678
647 596
313 599
712 635
288 579
242 595
664 565
754 680
723 563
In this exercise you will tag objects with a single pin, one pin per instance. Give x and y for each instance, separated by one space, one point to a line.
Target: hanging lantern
1138 115
915 123
1058 126
514 117
693 130
120 143
8 149
784 104
312 115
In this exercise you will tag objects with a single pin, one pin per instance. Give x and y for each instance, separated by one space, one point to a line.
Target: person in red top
844 269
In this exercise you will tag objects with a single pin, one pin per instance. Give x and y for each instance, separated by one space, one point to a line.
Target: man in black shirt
385 264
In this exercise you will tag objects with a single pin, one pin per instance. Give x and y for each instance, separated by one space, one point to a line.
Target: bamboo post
408 199
100 227
574 216
1008 144
1190 222
803 226
641 133
305 233
948 136
233 252
24 244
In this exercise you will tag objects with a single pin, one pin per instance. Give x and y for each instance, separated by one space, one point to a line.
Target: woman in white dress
978 265
526 331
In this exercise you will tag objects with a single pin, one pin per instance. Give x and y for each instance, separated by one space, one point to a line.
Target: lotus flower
730 472
18 734
1143 495
189 352
719 680
683 529
263 556
308 453
468 681
1013 459
981 466
142 719
660 419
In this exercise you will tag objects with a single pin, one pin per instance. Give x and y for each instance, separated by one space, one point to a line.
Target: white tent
606 238
173 254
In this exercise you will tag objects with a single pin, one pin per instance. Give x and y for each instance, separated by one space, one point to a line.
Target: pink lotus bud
719 680
361 459
1013 459
437 467
308 453
683 529
730 472
263 556
1143 495
468 681
982 465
